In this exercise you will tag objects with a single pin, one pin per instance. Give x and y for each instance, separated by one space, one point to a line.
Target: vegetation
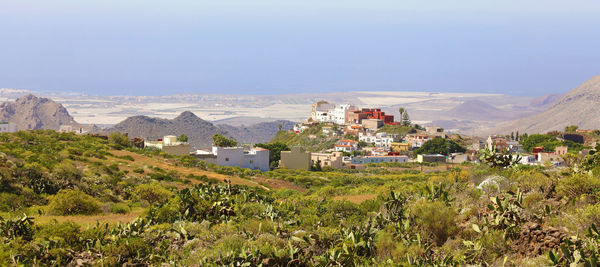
53 185
182 138
222 141
549 142
440 146
274 152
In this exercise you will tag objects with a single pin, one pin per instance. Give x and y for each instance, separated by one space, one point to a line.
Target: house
372 124
379 139
7 127
498 142
435 131
537 149
355 116
346 145
431 158
551 157
320 111
333 160
339 114
527 159
72 129
417 140
400 146
561 150
514 147
255 158
457 158
378 159
295 159
377 114
169 145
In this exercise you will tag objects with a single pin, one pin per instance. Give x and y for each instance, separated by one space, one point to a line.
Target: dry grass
167 164
91 220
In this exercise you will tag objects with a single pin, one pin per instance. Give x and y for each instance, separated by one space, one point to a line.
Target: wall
178 150
229 156
257 159
296 159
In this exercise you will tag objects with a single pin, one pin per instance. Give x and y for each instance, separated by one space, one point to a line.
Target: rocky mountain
545 100
257 133
199 131
578 107
31 112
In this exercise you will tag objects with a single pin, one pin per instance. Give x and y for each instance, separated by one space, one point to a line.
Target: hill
578 107
32 113
199 131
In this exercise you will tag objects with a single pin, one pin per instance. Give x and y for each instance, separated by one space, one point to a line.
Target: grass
90 220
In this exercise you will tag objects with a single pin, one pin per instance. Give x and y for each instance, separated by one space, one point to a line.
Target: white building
320 111
379 139
255 159
72 129
418 140
527 159
7 127
170 145
378 159
346 145
338 114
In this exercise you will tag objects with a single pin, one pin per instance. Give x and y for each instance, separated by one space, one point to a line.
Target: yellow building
400 147
296 159
333 160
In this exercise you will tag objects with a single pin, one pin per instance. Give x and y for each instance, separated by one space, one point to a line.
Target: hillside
577 107
311 139
256 133
199 131
32 112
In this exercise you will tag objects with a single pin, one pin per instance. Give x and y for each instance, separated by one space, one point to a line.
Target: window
226 159
251 161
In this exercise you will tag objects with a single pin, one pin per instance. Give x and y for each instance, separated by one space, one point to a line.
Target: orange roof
348 141
260 148
355 126
343 145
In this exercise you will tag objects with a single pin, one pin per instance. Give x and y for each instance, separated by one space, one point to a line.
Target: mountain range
578 107
199 131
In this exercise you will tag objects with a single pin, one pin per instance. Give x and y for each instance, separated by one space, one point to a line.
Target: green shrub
152 193
120 208
73 202
576 185
435 219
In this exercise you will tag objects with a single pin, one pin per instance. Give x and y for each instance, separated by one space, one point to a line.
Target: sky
147 47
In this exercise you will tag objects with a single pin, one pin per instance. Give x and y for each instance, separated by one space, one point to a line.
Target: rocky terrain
199 131
30 112
577 107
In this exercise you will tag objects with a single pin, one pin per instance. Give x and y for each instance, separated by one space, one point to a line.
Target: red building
376 113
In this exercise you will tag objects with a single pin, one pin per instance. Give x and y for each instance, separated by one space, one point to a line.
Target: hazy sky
142 47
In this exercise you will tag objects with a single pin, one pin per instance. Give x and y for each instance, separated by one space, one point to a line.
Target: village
362 136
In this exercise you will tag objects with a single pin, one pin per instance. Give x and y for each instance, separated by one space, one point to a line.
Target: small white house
255 159
7 127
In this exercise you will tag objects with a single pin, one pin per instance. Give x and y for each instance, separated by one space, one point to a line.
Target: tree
571 128
440 146
279 127
119 139
401 111
274 152
182 138
512 136
405 119
517 136
222 141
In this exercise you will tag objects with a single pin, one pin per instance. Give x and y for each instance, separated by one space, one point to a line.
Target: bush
152 193
434 219
577 185
73 202
120 208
